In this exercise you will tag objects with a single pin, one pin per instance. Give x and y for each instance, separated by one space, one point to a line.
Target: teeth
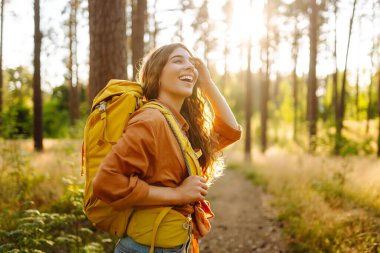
186 78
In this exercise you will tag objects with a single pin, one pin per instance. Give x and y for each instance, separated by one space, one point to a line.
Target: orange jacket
148 154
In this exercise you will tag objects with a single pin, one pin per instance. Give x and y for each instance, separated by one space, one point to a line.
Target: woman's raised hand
192 189
204 77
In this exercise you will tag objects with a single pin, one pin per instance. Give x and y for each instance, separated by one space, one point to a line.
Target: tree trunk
336 96
107 43
295 81
373 67
1 64
265 87
342 101
179 26
357 88
225 72
77 91
277 104
312 80
227 11
248 107
37 96
369 105
357 93
204 27
139 8
156 27
378 112
73 81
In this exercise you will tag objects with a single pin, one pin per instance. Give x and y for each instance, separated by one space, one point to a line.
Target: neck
175 102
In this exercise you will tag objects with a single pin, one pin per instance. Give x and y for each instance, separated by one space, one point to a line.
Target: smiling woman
146 168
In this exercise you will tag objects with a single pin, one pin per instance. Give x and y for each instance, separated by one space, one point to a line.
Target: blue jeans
128 245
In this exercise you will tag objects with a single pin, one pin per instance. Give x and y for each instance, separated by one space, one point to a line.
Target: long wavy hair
194 109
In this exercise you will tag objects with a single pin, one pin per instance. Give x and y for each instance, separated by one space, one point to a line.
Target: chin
185 94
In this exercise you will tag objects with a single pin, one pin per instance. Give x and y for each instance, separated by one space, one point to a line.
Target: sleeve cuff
140 192
225 130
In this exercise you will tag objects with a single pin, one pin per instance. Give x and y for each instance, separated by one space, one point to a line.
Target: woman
146 167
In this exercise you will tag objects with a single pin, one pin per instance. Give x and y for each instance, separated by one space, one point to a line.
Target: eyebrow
181 56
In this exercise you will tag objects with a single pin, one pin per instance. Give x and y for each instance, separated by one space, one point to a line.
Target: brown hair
193 108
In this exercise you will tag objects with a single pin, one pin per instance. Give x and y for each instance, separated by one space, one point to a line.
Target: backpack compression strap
191 158
157 223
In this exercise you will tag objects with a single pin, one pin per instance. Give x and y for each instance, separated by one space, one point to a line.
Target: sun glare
247 24
247 21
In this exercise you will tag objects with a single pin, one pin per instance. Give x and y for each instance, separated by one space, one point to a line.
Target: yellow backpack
110 112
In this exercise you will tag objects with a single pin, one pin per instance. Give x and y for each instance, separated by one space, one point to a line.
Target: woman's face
179 75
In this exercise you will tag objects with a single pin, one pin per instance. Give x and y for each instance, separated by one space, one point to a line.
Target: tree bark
107 43
156 27
73 79
265 87
342 107
378 112
336 96
139 9
369 105
227 10
357 93
1 64
204 27
357 88
312 80
248 107
37 96
373 67
295 81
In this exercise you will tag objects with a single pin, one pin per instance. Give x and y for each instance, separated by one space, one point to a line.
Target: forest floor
244 220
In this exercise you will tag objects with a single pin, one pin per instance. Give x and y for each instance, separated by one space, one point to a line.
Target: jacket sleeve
224 134
118 181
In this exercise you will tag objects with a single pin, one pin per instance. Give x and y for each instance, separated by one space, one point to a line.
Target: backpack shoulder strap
191 158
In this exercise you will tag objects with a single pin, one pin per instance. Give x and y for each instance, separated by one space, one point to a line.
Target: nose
189 65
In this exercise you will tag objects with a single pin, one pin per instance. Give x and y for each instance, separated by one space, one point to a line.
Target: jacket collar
180 119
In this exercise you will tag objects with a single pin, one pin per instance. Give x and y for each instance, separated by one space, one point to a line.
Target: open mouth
186 78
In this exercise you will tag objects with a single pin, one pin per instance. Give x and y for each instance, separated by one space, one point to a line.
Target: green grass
41 208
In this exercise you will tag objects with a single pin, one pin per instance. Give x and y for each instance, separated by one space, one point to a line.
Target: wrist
159 195
175 196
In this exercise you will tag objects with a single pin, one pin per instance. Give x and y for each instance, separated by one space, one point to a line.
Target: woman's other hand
192 189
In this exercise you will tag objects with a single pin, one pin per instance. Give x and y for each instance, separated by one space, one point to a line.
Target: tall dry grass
326 203
47 170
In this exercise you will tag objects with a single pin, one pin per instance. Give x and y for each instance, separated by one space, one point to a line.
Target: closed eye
179 59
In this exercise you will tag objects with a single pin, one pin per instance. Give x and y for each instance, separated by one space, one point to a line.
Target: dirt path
244 221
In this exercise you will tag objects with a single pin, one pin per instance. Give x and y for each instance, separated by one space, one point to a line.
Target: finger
202 179
194 178
204 192
198 61
205 186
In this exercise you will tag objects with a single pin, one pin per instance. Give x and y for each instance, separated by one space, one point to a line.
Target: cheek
168 74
